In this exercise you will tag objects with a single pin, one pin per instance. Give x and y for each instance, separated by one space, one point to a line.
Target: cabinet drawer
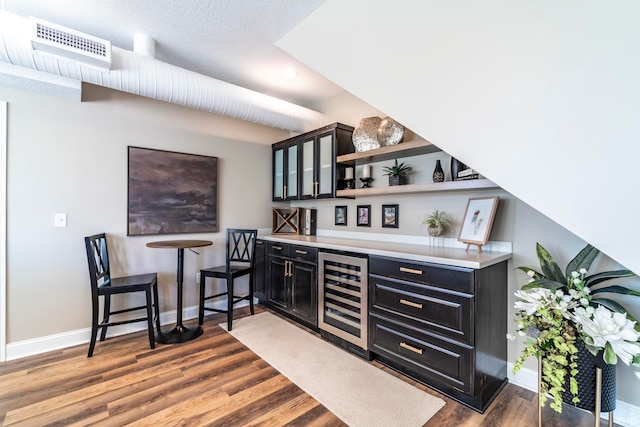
277 248
444 313
448 277
305 253
422 355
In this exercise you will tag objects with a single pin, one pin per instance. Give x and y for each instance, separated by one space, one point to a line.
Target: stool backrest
241 244
98 260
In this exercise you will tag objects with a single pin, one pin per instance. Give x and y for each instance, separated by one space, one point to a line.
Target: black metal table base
178 334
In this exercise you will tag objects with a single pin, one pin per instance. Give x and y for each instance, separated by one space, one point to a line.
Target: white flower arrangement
554 311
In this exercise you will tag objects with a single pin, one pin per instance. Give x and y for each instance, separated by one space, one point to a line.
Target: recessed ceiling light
289 73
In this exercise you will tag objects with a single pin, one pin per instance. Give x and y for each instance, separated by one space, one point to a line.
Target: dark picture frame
341 215
364 216
171 193
390 216
478 220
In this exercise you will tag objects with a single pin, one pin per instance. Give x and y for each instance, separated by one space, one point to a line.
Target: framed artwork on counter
478 220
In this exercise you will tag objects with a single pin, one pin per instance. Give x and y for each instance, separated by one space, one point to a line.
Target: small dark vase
456 166
586 377
438 173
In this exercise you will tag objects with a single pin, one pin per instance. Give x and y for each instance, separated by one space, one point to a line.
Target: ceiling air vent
69 44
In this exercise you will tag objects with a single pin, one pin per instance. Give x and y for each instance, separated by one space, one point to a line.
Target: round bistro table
179 333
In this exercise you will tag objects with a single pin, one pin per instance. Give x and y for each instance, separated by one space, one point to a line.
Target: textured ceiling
230 40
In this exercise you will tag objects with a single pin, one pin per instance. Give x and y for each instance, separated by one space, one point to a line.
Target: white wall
541 97
71 157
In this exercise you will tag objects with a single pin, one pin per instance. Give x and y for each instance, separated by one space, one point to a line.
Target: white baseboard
40 345
626 415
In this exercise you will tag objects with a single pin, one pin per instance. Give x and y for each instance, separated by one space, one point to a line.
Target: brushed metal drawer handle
410 303
410 270
298 251
259 242
411 348
278 248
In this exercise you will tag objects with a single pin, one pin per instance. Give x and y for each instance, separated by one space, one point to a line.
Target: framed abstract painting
171 193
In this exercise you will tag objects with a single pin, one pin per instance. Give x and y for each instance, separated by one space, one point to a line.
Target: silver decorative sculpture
365 135
390 132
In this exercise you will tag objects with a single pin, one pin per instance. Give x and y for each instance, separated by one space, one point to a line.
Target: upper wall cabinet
304 167
285 170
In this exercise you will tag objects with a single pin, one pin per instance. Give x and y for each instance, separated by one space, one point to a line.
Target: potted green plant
437 223
566 318
397 173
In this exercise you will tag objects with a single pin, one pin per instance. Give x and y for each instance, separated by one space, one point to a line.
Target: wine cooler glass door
342 299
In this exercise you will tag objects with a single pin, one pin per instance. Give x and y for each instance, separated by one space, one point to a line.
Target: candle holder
366 182
349 183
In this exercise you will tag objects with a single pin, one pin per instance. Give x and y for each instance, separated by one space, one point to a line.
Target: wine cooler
342 300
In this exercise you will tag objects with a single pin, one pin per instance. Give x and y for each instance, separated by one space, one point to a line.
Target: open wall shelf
406 149
471 184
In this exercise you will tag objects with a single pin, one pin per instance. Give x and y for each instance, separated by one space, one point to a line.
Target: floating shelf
405 149
471 184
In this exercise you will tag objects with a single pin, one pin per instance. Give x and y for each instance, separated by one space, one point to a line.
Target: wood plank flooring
211 381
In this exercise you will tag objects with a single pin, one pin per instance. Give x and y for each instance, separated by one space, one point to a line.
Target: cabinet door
304 291
308 168
278 282
291 181
325 165
260 271
317 154
285 171
278 173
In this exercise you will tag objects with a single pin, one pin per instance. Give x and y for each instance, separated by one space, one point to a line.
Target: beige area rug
355 391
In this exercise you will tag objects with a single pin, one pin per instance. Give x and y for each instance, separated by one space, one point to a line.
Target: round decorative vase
390 132
586 377
365 135
438 173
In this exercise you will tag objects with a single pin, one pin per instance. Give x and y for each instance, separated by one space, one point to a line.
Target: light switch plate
60 220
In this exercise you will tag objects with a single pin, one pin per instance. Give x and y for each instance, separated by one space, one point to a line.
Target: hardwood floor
213 380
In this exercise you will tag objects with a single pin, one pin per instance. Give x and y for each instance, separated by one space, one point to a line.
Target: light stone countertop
425 253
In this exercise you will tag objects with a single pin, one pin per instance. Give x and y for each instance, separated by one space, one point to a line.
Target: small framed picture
341 215
390 216
478 219
364 215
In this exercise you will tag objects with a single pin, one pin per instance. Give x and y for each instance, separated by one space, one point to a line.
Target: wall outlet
198 278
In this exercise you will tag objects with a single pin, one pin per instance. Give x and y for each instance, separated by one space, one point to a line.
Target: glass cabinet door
291 188
278 174
325 165
285 172
308 169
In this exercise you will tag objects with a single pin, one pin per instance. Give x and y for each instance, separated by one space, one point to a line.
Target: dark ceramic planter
397 180
586 377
